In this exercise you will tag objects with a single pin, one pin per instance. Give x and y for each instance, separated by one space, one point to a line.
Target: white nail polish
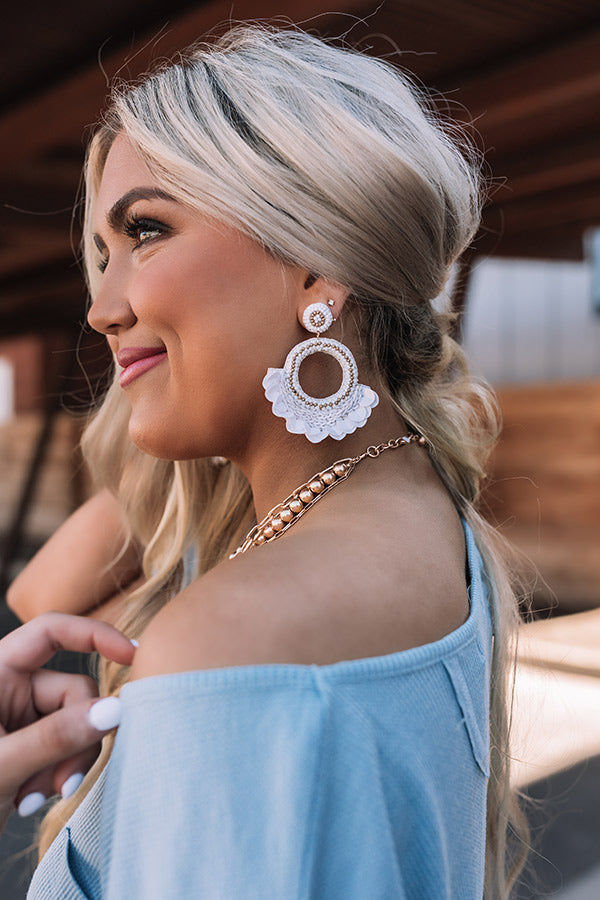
71 784
105 714
31 803
135 643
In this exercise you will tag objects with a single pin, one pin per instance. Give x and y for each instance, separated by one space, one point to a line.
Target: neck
277 465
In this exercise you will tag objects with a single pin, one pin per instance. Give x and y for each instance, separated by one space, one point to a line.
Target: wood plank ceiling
526 71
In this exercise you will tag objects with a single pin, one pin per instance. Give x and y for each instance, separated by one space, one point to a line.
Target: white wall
7 401
530 320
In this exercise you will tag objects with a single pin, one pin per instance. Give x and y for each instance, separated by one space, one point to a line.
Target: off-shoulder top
359 780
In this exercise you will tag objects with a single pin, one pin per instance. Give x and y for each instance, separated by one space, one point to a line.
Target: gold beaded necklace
287 513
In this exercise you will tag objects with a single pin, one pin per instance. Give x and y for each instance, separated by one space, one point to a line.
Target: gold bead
422 441
316 486
327 478
277 523
340 469
296 505
286 514
306 495
268 532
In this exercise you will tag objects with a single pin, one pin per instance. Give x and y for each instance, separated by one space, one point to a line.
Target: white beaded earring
319 417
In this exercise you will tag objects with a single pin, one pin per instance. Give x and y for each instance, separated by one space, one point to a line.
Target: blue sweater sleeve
222 791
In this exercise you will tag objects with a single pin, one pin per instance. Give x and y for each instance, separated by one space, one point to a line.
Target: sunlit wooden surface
545 487
557 696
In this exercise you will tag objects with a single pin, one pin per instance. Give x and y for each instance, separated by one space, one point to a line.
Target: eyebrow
117 213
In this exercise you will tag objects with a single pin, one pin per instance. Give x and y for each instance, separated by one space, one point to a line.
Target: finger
73 770
64 779
54 738
50 689
34 643
32 795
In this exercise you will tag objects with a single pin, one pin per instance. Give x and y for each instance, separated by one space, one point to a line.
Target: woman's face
194 311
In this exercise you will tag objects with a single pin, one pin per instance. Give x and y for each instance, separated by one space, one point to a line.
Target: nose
110 312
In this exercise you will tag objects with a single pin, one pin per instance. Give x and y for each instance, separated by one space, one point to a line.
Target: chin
170 442
152 447
156 441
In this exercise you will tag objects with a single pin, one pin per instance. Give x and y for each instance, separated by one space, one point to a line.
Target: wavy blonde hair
336 162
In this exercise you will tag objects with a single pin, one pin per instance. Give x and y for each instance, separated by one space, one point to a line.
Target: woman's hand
48 737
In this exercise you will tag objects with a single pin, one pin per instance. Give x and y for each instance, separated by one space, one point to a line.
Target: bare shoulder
237 614
317 597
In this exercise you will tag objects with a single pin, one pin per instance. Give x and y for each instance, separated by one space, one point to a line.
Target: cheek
224 320
184 293
220 314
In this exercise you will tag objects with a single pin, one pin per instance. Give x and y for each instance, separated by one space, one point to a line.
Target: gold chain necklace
287 513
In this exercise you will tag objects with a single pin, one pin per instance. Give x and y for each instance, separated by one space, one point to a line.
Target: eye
142 230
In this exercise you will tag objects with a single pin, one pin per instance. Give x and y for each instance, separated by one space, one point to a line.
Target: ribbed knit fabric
361 780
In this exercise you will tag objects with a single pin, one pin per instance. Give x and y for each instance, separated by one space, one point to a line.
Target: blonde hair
335 161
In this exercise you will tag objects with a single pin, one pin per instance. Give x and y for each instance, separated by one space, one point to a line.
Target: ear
321 290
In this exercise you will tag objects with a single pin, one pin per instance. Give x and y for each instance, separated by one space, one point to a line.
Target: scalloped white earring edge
275 384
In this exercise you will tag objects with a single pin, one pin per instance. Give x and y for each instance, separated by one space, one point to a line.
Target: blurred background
525 77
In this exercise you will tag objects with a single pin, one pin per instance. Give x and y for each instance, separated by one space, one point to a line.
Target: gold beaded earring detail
319 417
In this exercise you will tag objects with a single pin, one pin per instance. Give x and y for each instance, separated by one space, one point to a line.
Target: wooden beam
538 98
39 222
545 80
38 315
541 129
52 296
42 277
34 246
38 213
36 189
59 115
565 242
546 168
576 205
551 244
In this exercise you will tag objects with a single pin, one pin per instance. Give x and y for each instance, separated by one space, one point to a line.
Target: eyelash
133 227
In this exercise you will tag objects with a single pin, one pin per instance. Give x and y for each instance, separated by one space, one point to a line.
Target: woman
307 716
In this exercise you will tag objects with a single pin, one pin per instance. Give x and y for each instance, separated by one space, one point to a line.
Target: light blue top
361 780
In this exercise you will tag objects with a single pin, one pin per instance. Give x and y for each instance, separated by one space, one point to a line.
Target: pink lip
137 360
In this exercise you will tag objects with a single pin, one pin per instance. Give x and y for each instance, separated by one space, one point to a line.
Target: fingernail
71 784
31 803
134 642
105 714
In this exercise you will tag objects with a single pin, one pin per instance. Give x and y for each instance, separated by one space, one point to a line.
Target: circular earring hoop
334 416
